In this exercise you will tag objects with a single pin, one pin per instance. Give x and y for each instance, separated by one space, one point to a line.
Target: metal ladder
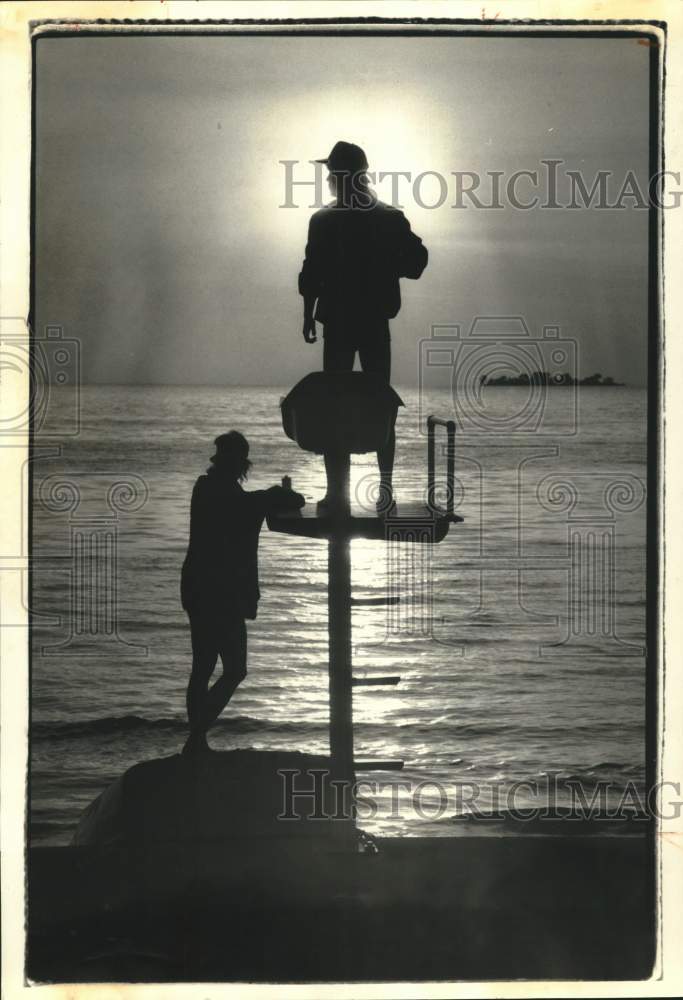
341 707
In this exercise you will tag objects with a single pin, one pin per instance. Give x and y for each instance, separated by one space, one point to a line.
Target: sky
161 240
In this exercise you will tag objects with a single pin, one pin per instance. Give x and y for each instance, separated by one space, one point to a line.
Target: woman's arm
278 498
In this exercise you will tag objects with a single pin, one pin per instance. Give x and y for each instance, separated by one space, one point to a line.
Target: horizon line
279 385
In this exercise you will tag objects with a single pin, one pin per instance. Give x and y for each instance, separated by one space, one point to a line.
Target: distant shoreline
545 378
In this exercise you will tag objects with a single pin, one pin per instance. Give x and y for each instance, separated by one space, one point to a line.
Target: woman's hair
231 457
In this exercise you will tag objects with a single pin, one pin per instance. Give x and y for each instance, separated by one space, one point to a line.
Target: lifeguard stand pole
339 415
339 617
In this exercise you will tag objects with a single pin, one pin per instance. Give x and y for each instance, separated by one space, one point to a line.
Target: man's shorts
370 338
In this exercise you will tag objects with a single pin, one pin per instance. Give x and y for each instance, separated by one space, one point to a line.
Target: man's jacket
354 259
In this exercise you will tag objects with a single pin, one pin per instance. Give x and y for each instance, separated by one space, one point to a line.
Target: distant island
545 378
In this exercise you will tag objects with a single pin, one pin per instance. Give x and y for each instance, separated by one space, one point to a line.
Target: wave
616 776
445 726
117 725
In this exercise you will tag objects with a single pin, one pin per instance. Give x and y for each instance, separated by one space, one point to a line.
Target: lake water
519 639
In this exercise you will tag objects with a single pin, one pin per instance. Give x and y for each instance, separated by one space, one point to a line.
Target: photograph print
343 488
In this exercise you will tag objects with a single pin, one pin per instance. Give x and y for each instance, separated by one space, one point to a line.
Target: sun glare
397 137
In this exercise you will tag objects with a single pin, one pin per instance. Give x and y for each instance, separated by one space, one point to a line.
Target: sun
397 138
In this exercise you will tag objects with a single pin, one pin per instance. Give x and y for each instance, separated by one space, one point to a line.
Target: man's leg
233 653
338 356
375 359
385 461
338 353
204 659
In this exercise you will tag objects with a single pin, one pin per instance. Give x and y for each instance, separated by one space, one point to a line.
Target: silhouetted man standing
357 250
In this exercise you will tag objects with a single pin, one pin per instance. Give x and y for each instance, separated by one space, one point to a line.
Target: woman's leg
233 653
204 659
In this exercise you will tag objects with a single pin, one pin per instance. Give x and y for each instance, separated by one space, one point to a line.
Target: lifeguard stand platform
339 415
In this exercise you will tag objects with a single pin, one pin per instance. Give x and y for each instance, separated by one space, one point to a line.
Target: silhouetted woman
219 584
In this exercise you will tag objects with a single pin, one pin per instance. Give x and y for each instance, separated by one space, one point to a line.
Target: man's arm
412 254
309 286
309 331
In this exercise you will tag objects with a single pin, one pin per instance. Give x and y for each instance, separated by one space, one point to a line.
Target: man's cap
345 157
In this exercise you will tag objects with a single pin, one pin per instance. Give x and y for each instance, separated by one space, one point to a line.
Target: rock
212 796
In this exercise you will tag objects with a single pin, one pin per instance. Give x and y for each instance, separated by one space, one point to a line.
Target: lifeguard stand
340 415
